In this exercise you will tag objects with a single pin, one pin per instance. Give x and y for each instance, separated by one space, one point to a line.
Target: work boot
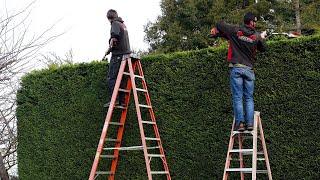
108 104
122 104
240 127
249 127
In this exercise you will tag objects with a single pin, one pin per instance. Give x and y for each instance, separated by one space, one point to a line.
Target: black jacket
244 41
119 31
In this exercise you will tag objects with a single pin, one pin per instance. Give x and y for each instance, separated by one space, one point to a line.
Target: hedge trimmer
289 34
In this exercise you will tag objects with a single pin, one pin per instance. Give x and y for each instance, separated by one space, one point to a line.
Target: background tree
184 24
18 48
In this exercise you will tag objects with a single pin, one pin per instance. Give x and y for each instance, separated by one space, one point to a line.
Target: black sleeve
226 29
261 46
115 30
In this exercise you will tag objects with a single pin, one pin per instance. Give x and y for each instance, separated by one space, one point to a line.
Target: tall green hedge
60 114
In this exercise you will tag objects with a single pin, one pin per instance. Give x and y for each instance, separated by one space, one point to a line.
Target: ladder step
136 76
262 171
142 90
112 140
130 148
104 172
246 170
107 156
145 106
152 139
124 90
239 169
241 150
148 122
159 172
155 155
245 151
116 123
241 132
120 107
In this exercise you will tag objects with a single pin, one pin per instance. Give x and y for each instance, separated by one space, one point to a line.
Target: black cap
111 14
249 16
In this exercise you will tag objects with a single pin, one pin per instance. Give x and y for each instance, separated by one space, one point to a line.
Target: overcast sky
85 24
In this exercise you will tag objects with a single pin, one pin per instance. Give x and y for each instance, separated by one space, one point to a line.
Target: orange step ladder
255 134
130 64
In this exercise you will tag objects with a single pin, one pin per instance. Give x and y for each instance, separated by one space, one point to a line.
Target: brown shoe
249 127
240 127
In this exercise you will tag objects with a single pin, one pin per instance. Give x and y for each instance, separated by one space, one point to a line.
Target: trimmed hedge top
60 114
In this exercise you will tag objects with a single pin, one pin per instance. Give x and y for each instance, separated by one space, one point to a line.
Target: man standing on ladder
244 41
119 46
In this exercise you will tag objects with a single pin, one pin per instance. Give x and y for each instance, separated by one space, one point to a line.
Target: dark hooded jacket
244 41
119 31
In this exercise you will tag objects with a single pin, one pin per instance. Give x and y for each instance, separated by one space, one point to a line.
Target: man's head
112 14
250 19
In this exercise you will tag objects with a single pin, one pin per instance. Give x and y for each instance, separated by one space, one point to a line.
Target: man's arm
223 29
115 30
261 45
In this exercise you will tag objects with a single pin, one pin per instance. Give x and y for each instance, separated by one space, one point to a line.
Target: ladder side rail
122 120
241 155
135 94
230 146
153 119
255 145
107 121
265 152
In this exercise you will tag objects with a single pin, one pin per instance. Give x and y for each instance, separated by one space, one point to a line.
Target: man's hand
105 55
113 42
263 35
214 31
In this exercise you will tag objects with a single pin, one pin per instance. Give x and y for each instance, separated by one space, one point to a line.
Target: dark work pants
114 67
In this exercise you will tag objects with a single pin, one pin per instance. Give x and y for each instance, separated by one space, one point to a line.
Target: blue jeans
114 67
242 87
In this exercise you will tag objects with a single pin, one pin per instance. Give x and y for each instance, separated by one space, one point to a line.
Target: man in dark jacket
244 41
119 46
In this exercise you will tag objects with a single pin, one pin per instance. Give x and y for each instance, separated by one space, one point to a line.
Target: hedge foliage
60 114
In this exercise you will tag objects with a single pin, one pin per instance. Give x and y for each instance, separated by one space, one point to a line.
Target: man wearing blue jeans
119 46
244 41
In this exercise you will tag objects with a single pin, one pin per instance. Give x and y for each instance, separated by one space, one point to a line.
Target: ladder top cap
134 56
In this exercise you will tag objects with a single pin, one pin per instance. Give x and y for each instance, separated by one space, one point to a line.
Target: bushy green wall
60 114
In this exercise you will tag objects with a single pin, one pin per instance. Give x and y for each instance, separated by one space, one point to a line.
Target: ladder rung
239 169
130 148
241 150
159 172
107 156
116 123
261 159
148 122
245 151
137 76
152 139
124 90
120 107
112 140
145 106
104 172
142 90
155 155
241 132
245 170
262 171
